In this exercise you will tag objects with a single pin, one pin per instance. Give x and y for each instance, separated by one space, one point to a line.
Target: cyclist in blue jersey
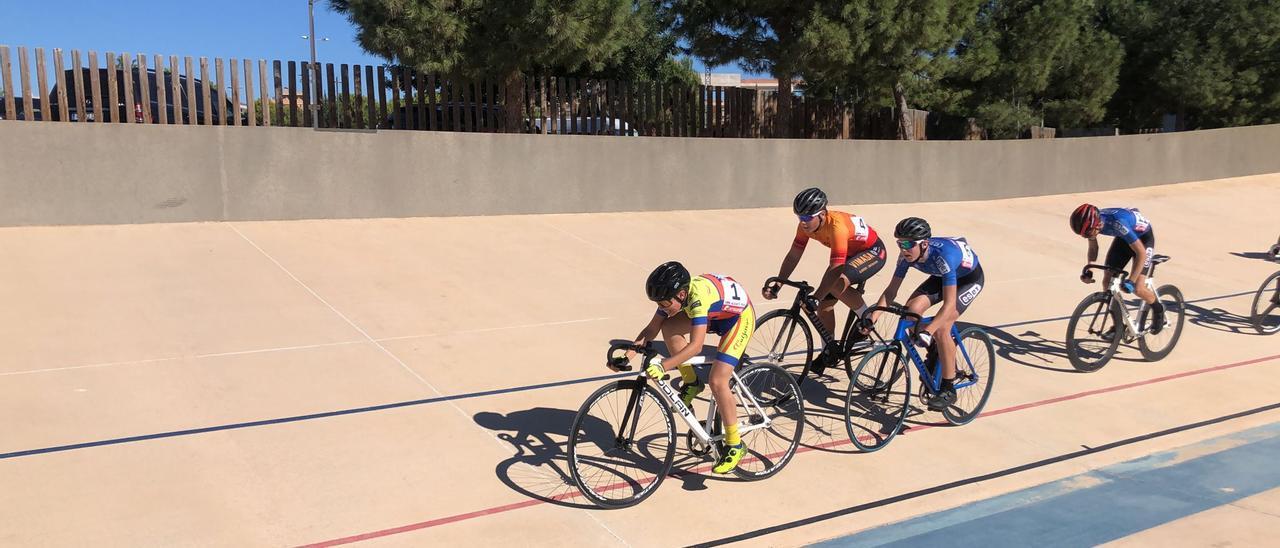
955 280
1134 240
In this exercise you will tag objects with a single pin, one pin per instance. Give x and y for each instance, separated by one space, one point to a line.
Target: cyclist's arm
890 293
650 331
1139 259
1093 250
790 261
697 336
839 254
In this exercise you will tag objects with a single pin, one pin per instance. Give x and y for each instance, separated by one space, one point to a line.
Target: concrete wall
63 173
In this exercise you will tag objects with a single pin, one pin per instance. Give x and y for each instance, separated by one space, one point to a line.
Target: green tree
1213 64
1024 61
782 38
504 38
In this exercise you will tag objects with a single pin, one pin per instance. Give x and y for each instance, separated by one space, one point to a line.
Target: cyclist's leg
1149 242
860 268
675 334
967 289
1119 255
733 343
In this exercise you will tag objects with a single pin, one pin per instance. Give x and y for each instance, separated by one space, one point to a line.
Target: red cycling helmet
1085 218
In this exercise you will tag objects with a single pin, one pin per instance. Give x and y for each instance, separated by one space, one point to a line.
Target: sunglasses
807 218
907 244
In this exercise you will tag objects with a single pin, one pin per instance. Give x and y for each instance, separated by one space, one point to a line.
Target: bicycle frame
683 411
829 341
902 338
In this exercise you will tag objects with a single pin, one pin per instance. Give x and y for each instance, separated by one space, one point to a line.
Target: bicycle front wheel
1094 333
784 339
1265 312
777 400
622 444
975 375
878 399
1155 346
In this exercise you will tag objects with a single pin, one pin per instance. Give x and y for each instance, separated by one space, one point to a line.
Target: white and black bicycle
1103 319
623 441
1265 312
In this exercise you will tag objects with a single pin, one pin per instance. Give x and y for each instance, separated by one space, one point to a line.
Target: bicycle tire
859 400
960 413
639 490
767 351
1074 355
776 391
1173 304
1266 321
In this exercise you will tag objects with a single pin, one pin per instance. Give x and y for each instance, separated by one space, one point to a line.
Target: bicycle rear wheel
975 375
878 399
1265 312
1155 346
784 339
622 444
769 449
1094 333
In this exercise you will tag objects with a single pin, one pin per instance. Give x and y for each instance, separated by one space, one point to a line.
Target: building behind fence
129 88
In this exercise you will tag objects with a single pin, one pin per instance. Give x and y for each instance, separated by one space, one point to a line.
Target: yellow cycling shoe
729 459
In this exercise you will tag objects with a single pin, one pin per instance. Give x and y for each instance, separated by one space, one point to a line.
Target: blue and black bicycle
879 396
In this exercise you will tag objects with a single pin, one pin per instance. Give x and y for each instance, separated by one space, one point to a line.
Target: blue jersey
946 258
1124 223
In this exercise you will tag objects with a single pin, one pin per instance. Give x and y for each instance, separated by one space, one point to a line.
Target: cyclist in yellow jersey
688 309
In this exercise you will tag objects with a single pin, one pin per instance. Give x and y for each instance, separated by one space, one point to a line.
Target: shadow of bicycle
1254 255
1218 319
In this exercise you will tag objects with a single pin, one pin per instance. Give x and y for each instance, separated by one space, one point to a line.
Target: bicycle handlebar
892 309
620 362
804 288
1115 271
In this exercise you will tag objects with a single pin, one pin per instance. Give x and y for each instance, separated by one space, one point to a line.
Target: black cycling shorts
861 266
1119 255
967 289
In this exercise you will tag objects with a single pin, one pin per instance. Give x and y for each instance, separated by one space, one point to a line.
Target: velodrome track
411 381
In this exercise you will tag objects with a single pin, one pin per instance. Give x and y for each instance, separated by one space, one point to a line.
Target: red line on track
571 494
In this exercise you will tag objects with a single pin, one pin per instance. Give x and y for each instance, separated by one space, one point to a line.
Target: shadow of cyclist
1218 319
539 468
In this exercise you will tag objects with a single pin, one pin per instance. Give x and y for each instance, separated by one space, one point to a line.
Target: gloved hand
1127 286
655 370
923 339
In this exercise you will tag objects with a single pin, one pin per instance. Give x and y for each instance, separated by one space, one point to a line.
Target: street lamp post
315 67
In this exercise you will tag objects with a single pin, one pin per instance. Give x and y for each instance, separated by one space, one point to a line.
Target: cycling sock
731 436
948 384
686 373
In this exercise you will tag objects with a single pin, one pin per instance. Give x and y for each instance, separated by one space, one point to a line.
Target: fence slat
432 122
10 108
189 118
250 112
306 73
234 68
113 89
372 122
416 100
333 96
344 113
219 87
61 80
264 97
77 82
161 114
293 95
278 114
207 88
175 89
356 108
382 95
24 73
144 89
397 117
464 100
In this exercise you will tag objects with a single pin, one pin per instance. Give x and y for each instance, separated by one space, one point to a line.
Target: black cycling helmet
912 228
1085 218
809 201
666 280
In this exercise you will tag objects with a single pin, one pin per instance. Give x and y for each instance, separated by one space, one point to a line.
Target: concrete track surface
412 381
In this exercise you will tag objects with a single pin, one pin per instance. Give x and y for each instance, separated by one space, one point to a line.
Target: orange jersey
845 234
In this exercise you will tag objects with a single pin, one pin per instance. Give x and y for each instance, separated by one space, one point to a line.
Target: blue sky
243 29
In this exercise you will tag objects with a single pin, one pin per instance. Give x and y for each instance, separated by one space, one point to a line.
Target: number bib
733 297
966 254
1140 223
860 229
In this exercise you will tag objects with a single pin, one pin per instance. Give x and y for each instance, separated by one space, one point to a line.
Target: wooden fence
155 89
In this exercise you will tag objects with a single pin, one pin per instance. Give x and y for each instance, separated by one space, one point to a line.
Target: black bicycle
784 336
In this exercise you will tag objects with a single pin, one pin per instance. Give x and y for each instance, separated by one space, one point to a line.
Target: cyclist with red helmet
1134 244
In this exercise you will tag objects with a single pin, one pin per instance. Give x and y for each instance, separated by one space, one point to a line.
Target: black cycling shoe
945 398
1157 319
